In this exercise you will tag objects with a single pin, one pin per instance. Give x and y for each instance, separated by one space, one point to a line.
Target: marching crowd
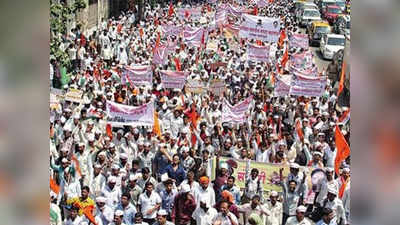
125 175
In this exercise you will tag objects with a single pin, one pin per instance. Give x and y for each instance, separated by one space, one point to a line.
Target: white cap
147 144
273 194
119 213
115 166
185 149
123 156
120 131
294 165
301 208
332 190
164 177
346 169
112 179
329 169
101 199
185 188
162 212
81 144
53 194
317 153
224 165
64 160
97 165
77 116
103 153
112 145
90 137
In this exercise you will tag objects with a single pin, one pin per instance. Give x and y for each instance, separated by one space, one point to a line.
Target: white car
330 44
309 15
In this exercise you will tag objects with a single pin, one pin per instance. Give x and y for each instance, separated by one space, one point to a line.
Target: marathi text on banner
173 79
298 41
161 55
194 37
137 75
74 95
258 53
260 28
195 86
119 114
307 86
171 30
282 86
236 113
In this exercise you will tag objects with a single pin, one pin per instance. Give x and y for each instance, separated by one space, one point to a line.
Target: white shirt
106 215
148 202
204 218
78 221
293 221
112 196
225 220
275 215
73 189
208 194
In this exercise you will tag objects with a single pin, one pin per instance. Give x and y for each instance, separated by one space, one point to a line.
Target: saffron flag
285 58
342 77
109 131
171 9
282 37
342 148
88 212
156 127
299 130
53 186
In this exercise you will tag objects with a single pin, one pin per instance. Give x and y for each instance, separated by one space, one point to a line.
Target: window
336 41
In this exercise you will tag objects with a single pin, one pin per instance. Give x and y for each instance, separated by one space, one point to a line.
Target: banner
192 13
261 3
217 87
257 53
193 37
231 10
74 95
195 86
298 41
220 17
119 115
282 86
171 29
301 61
173 79
307 86
260 28
236 113
161 55
138 75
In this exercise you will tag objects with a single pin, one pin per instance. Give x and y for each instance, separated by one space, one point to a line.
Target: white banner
307 86
137 75
194 37
236 113
260 28
119 115
161 55
257 53
299 41
173 79
282 86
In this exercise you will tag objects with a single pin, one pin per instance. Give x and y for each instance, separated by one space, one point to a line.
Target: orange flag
177 64
343 187
342 77
88 212
281 38
141 32
343 149
299 130
285 58
109 131
77 167
156 127
53 186
255 11
171 9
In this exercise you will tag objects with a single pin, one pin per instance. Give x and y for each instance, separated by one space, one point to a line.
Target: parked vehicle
307 16
316 30
341 4
331 13
330 44
322 4
342 26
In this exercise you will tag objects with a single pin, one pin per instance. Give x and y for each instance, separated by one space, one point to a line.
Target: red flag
83 40
271 1
109 131
285 58
187 14
156 22
177 64
259 42
342 77
203 38
299 130
171 9
343 149
208 8
53 186
141 32
281 38
255 10
119 28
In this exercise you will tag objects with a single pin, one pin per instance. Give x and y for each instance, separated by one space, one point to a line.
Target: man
139 219
334 203
103 211
146 178
149 202
184 206
127 208
205 191
326 183
111 192
97 180
224 217
118 218
252 186
162 218
233 189
167 196
253 207
175 171
299 218
83 201
55 211
133 189
205 214
291 196
275 208
327 217
73 218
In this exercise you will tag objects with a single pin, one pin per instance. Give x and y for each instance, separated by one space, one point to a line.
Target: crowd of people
102 174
